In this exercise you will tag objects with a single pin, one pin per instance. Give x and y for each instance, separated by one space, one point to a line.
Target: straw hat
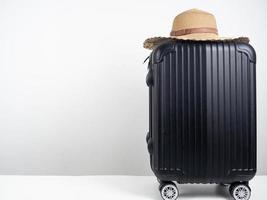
195 25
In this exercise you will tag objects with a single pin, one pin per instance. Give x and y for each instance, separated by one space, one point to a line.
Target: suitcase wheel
240 191
161 183
168 191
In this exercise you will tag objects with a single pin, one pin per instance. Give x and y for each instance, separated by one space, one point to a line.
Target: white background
73 98
114 187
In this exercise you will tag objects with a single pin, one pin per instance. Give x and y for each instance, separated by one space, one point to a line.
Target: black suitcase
202 115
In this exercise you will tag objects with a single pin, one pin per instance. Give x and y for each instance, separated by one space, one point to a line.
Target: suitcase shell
202 112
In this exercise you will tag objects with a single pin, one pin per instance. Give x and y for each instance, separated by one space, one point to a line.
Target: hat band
194 30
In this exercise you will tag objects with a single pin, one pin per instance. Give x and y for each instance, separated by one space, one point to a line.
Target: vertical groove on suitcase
171 114
189 146
204 110
177 114
181 58
221 102
195 118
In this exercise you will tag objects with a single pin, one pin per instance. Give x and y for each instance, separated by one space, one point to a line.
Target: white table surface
109 187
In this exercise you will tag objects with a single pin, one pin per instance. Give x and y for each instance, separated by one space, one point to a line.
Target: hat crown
193 19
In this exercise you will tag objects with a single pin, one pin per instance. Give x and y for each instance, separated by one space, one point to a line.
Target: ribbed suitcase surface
202 112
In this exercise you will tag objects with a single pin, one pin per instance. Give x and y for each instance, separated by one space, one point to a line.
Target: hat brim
150 43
